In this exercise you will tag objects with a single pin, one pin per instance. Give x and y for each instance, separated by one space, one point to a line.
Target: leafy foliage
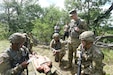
3 31
89 10
18 14
29 16
44 27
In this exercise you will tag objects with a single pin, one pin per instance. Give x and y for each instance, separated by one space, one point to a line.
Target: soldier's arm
14 71
84 26
78 51
8 69
97 60
63 42
51 45
6 66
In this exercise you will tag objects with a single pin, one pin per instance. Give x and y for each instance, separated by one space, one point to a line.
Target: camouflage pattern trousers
72 46
60 55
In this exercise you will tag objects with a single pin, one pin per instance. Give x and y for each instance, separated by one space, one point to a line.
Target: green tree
3 31
44 26
88 10
19 14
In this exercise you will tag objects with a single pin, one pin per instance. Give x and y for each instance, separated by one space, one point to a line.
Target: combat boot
56 58
68 66
60 63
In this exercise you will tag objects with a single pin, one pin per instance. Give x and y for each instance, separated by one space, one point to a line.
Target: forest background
30 17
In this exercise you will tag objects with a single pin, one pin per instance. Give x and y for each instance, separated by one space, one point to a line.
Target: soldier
66 31
91 55
15 58
27 42
56 28
30 35
77 26
57 46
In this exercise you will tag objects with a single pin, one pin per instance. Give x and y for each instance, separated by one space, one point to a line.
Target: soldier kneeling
58 48
91 56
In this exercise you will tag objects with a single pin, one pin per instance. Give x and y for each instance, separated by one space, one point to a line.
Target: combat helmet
17 38
87 36
71 12
55 35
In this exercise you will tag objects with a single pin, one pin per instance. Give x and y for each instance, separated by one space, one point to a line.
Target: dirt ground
44 50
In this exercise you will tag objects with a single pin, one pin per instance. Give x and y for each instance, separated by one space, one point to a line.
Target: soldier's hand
54 52
77 29
78 54
24 64
85 56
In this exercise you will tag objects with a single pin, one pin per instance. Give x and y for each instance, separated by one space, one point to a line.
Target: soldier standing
91 55
57 28
77 26
57 46
66 31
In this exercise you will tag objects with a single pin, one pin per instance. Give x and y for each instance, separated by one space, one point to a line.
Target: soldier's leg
62 52
75 58
57 57
61 55
70 56
75 46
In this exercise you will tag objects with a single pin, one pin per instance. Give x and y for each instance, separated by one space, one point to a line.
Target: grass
4 44
108 59
108 56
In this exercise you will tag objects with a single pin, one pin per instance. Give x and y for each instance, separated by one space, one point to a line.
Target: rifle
79 64
101 16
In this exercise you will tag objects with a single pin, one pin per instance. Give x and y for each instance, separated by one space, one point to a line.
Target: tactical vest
72 32
17 57
57 45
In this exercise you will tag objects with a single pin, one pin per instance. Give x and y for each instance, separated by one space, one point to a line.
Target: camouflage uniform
66 31
31 41
58 46
11 59
56 28
73 40
28 42
91 57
